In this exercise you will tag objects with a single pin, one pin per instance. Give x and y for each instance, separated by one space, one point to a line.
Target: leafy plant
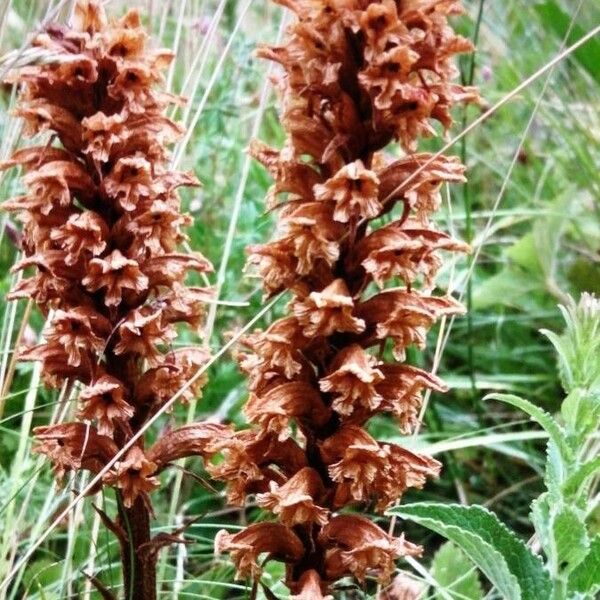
561 516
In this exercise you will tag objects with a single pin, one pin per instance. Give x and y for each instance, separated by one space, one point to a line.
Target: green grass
535 228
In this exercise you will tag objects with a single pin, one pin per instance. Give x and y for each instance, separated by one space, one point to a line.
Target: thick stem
139 568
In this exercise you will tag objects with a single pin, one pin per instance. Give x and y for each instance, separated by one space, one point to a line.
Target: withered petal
245 546
196 439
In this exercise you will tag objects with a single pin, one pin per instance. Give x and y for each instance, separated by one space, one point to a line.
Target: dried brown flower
133 476
355 191
295 502
245 547
104 402
78 332
355 544
74 446
115 274
328 311
140 333
355 75
83 233
353 378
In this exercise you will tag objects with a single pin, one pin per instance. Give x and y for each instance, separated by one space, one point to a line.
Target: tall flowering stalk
101 227
357 75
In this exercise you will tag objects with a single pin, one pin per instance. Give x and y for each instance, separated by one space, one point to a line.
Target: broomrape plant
361 84
564 515
356 75
101 226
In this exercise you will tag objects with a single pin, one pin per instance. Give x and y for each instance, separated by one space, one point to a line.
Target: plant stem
467 79
139 573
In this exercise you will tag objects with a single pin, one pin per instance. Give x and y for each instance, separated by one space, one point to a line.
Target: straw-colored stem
7 382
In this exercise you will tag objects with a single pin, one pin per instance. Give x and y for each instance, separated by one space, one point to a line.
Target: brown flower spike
101 225
355 76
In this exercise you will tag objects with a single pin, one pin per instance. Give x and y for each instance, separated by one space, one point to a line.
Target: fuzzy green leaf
540 517
586 577
578 479
580 411
501 556
556 471
540 416
454 571
564 357
571 542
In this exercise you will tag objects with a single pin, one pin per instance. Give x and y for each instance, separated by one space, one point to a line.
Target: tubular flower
355 75
102 223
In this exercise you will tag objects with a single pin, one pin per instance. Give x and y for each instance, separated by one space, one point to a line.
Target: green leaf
540 517
571 542
511 287
578 479
524 253
42 572
556 472
501 556
554 19
580 411
584 275
586 577
564 357
454 571
541 417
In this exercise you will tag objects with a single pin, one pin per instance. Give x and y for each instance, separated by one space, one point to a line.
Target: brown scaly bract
101 227
357 74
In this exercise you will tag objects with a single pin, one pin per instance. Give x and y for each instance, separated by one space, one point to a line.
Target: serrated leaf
571 542
556 472
501 556
541 417
580 411
578 479
454 571
540 517
564 363
586 577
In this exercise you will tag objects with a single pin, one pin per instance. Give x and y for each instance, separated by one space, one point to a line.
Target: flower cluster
356 75
101 229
